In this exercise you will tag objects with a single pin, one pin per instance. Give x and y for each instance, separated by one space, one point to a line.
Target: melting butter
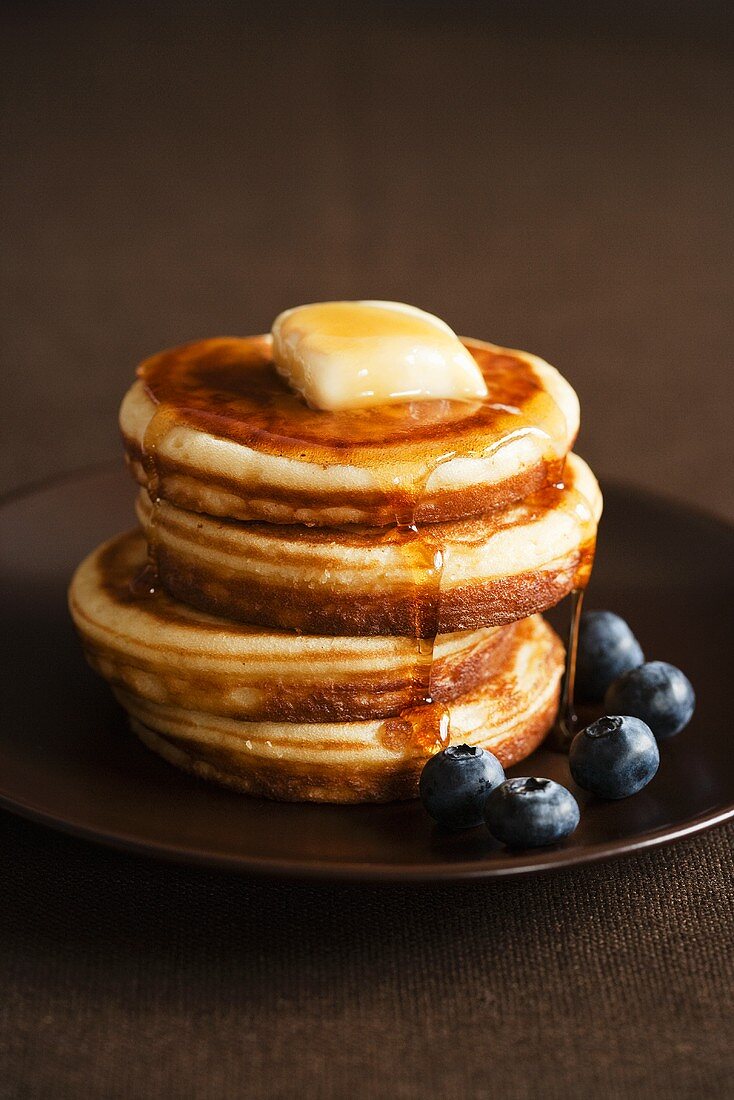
351 355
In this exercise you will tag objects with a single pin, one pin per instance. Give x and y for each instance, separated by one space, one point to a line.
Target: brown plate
68 760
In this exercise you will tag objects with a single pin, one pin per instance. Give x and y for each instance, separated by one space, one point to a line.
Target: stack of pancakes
317 601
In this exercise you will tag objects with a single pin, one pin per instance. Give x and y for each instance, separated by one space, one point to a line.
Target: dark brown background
551 176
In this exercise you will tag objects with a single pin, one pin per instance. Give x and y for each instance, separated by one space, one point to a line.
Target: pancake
212 428
373 760
168 653
493 569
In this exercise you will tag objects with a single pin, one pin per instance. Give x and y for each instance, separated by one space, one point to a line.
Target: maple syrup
566 724
419 730
424 727
230 389
160 424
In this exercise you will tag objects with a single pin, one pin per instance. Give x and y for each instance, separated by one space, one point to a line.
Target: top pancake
211 427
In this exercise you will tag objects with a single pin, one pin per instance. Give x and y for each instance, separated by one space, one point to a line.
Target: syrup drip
146 582
566 724
160 424
423 728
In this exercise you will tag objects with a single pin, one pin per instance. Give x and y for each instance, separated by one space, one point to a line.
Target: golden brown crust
495 602
299 698
354 580
242 498
165 651
218 431
363 761
314 782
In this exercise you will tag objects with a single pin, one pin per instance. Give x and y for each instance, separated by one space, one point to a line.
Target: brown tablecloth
123 978
544 179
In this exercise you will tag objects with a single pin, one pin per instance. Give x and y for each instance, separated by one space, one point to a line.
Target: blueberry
607 649
455 783
614 757
528 813
658 693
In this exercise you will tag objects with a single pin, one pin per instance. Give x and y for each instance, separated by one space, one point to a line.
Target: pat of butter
350 355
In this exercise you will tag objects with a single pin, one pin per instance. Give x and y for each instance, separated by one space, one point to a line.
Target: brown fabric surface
555 181
124 978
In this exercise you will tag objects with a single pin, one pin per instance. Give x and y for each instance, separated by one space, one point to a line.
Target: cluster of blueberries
614 757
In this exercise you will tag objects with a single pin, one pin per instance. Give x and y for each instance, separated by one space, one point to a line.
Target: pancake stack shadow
316 602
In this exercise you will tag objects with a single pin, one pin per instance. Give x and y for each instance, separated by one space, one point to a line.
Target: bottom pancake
376 760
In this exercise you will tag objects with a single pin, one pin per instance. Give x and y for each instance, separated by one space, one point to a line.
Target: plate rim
556 858
540 861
